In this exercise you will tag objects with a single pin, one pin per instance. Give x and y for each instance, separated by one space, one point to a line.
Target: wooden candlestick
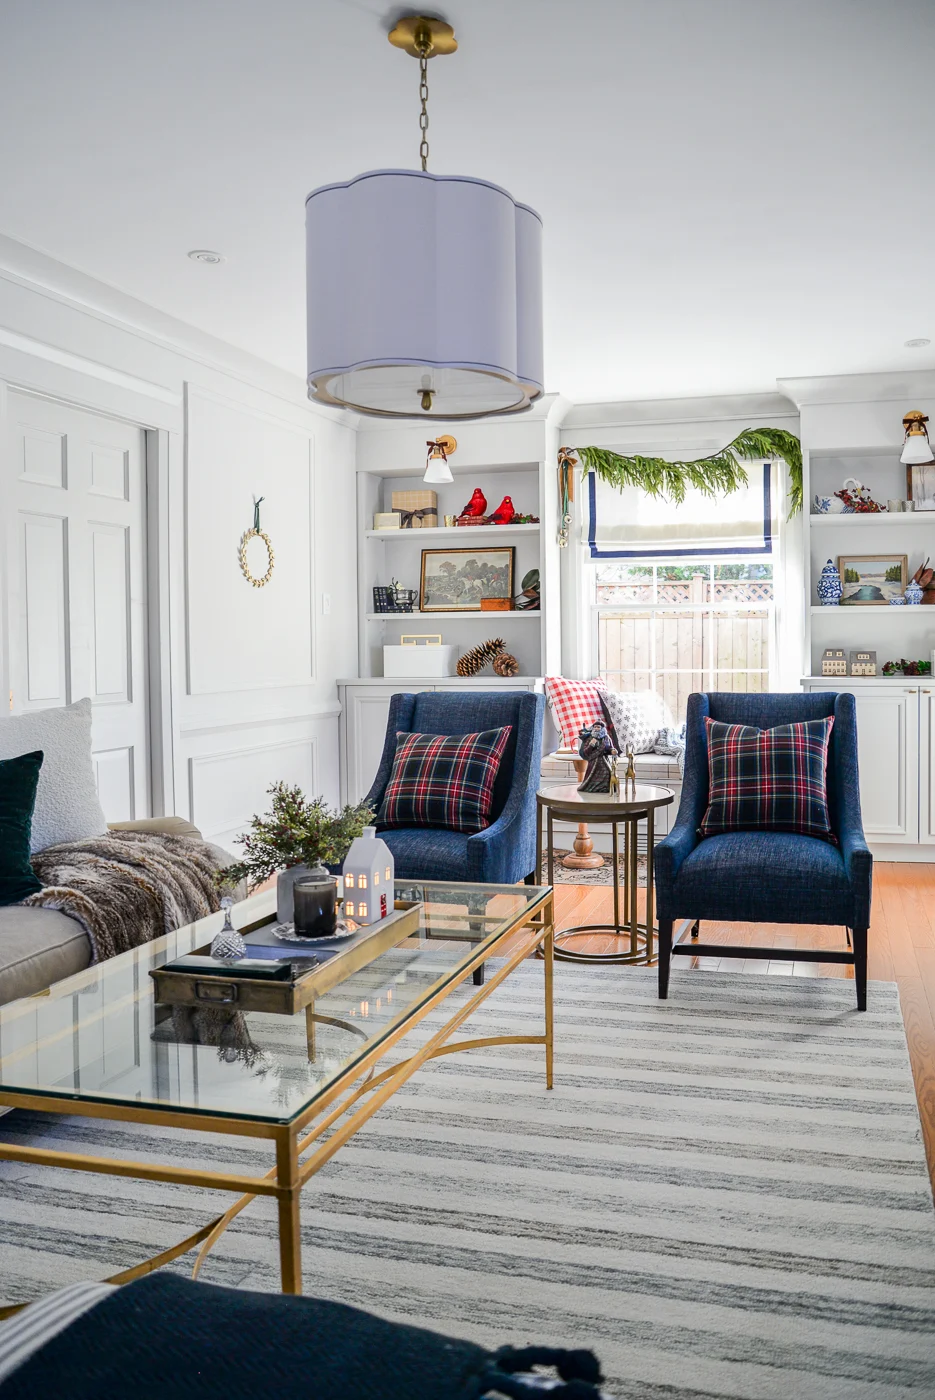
584 856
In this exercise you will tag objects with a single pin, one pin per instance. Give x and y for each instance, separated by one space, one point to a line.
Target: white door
77 583
888 755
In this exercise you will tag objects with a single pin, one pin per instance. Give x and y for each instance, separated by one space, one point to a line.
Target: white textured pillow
637 717
67 805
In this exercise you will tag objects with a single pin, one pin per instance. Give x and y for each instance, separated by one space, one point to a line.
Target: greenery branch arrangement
717 475
297 830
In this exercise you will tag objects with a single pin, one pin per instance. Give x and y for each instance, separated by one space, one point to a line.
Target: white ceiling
732 190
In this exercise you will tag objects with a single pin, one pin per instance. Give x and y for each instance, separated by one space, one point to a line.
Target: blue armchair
767 876
505 852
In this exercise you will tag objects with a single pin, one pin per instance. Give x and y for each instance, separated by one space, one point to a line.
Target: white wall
242 679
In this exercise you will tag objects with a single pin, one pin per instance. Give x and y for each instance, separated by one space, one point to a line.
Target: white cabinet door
927 765
77 564
366 710
888 754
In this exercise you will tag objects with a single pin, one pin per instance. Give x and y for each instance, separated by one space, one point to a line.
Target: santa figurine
477 505
504 513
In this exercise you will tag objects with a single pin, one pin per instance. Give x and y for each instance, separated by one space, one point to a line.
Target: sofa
41 946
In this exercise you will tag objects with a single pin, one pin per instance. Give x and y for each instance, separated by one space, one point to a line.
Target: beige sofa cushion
38 947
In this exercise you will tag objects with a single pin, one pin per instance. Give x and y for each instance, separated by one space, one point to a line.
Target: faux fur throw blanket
127 887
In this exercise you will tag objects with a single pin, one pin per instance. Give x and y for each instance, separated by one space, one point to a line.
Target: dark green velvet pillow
19 778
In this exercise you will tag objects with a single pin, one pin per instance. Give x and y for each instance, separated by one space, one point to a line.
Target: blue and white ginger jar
913 593
829 586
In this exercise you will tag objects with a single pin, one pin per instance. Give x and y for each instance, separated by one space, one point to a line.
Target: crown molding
900 386
44 275
668 412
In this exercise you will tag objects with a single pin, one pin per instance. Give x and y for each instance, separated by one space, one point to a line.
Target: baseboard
907 855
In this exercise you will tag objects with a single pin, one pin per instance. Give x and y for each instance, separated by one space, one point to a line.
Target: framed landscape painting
871 579
455 580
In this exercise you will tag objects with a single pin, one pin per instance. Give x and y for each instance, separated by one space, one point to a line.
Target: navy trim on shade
766 548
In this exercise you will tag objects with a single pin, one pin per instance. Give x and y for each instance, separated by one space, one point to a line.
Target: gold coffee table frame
631 804
531 929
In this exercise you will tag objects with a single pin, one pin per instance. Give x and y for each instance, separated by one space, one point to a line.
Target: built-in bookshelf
892 632
385 555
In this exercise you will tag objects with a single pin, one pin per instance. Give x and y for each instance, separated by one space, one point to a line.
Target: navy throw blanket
167 1336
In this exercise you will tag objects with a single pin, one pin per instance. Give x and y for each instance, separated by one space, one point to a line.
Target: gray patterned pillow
636 717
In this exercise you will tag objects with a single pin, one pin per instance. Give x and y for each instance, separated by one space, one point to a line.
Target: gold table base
627 924
534 932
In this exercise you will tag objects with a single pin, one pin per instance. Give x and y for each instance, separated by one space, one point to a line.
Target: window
678 628
349 908
376 878
348 882
361 882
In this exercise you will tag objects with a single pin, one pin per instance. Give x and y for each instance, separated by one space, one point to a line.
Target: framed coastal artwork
871 579
455 580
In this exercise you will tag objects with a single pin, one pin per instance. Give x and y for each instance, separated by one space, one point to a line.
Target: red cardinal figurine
477 505
504 512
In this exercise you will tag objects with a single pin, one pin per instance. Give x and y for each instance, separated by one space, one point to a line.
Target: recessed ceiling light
205 255
916 344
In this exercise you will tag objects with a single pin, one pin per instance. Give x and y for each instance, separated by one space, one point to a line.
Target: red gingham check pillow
443 780
575 705
768 779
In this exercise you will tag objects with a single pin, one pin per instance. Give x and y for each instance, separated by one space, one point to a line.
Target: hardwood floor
902 950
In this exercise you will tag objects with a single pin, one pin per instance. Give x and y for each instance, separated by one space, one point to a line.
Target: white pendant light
424 291
917 449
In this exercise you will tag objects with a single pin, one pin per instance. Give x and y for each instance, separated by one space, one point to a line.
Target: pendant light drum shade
423 290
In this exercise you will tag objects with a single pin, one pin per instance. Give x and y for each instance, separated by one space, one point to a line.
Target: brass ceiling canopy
423 34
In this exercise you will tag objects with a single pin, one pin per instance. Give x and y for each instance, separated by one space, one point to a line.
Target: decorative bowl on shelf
898 601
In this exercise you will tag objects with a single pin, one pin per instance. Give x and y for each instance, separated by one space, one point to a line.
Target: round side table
633 803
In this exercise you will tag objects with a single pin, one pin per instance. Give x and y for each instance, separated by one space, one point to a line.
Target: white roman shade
629 524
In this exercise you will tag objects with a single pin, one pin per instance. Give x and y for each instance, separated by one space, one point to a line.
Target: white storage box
419 655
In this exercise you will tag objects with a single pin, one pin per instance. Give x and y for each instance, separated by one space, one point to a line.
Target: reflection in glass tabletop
101 1036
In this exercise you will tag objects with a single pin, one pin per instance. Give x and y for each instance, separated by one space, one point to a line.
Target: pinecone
505 664
478 657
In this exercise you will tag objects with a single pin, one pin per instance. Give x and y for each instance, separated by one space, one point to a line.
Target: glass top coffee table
99 1044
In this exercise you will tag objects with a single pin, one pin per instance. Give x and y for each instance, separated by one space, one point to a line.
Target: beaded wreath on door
256 533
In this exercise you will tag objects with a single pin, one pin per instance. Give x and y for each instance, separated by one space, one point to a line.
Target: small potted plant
296 840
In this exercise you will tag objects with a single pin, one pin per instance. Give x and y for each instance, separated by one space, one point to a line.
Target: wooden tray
287 998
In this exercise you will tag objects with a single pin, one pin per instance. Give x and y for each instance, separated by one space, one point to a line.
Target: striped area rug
725 1195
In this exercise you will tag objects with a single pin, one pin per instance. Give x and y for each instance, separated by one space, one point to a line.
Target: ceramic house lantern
863 663
368 879
834 662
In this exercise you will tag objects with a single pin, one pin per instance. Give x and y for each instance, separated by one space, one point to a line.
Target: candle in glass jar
315 908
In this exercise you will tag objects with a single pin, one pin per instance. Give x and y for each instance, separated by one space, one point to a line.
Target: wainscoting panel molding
227 789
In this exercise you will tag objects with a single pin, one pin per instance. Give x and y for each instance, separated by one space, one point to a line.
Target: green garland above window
717 475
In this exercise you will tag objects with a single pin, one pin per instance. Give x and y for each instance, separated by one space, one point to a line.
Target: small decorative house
863 663
368 879
834 662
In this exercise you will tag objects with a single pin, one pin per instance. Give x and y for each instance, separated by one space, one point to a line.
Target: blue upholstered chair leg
665 956
860 967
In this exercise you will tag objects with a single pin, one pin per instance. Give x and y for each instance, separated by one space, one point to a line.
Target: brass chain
424 99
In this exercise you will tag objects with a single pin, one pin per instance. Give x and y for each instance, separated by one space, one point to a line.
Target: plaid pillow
575 705
443 780
768 779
